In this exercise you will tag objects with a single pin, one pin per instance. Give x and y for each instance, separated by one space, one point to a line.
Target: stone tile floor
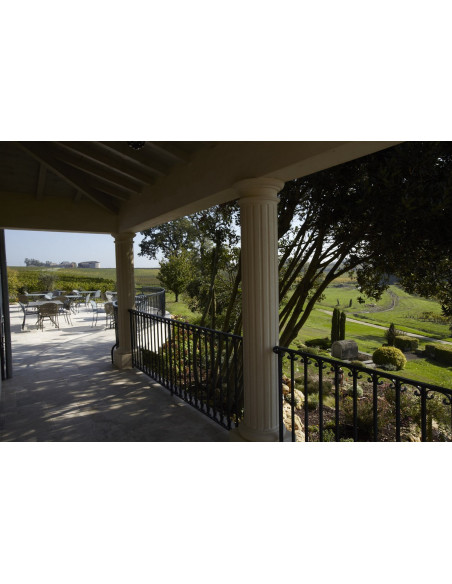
64 388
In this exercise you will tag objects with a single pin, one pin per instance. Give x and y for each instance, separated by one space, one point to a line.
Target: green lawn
405 314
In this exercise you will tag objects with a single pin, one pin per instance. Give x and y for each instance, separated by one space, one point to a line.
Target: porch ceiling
106 187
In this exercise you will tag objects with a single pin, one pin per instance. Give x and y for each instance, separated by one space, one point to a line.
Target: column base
244 434
122 360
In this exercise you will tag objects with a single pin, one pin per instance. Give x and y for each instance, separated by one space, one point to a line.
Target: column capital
263 188
125 236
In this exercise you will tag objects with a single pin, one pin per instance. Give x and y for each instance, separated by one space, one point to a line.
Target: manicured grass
405 314
179 309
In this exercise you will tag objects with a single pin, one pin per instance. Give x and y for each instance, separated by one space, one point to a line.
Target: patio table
38 303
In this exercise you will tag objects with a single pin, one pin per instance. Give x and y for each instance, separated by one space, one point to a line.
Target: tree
175 272
377 215
335 325
169 238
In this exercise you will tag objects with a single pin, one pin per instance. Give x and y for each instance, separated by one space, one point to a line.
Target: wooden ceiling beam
100 170
168 149
42 176
40 151
141 157
97 153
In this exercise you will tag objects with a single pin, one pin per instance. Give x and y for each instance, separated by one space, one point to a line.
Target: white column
260 307
125 285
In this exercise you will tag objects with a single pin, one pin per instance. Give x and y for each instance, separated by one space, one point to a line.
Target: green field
396 306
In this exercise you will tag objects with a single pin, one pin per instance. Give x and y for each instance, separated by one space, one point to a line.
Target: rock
298 424
344 350
411 434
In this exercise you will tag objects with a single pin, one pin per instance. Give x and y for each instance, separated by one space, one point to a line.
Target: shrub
312 401
389 356
324 343
313 387
439 352
359 390
391 334
405 343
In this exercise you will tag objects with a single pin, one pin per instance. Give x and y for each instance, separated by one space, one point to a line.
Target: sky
72 247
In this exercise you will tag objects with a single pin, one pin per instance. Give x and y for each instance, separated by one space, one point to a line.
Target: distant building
89 265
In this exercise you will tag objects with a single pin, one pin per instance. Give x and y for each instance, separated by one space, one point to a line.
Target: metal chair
96 310
66 309
27 312
48 310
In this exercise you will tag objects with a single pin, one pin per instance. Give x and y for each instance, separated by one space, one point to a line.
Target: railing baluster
375 405
292 396
397 401
355 406
320 364
306 397
280 399
423 414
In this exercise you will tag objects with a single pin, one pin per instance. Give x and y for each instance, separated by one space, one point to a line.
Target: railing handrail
370 370
181 322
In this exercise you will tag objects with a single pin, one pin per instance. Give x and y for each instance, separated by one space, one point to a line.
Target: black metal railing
339 401
200 365
151 301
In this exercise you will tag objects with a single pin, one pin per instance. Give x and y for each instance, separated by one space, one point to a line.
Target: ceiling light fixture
136 145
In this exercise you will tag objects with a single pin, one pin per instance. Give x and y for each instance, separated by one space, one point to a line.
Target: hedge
439 352
405 343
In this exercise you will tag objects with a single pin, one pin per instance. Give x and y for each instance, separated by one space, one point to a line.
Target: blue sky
72 247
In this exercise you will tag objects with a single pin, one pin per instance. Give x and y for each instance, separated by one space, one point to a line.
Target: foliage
47 281
324 343
175 272
33 281
405 343
389 356
13 284
359 390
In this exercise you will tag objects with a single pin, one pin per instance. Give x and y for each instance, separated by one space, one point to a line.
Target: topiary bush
389 356
405 343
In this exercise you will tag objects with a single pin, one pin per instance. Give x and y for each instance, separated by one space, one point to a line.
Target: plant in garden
389 356
335 325
342 321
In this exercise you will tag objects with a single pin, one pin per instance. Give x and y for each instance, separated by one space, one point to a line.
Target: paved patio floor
64 388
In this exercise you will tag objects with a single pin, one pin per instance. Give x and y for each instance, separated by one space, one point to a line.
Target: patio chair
77 301
48 310
109 314
27 312
87 299
96 310
66 309
96 297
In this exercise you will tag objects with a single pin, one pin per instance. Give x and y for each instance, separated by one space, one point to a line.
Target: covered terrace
121 188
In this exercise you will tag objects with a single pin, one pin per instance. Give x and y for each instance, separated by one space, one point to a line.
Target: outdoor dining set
52 305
